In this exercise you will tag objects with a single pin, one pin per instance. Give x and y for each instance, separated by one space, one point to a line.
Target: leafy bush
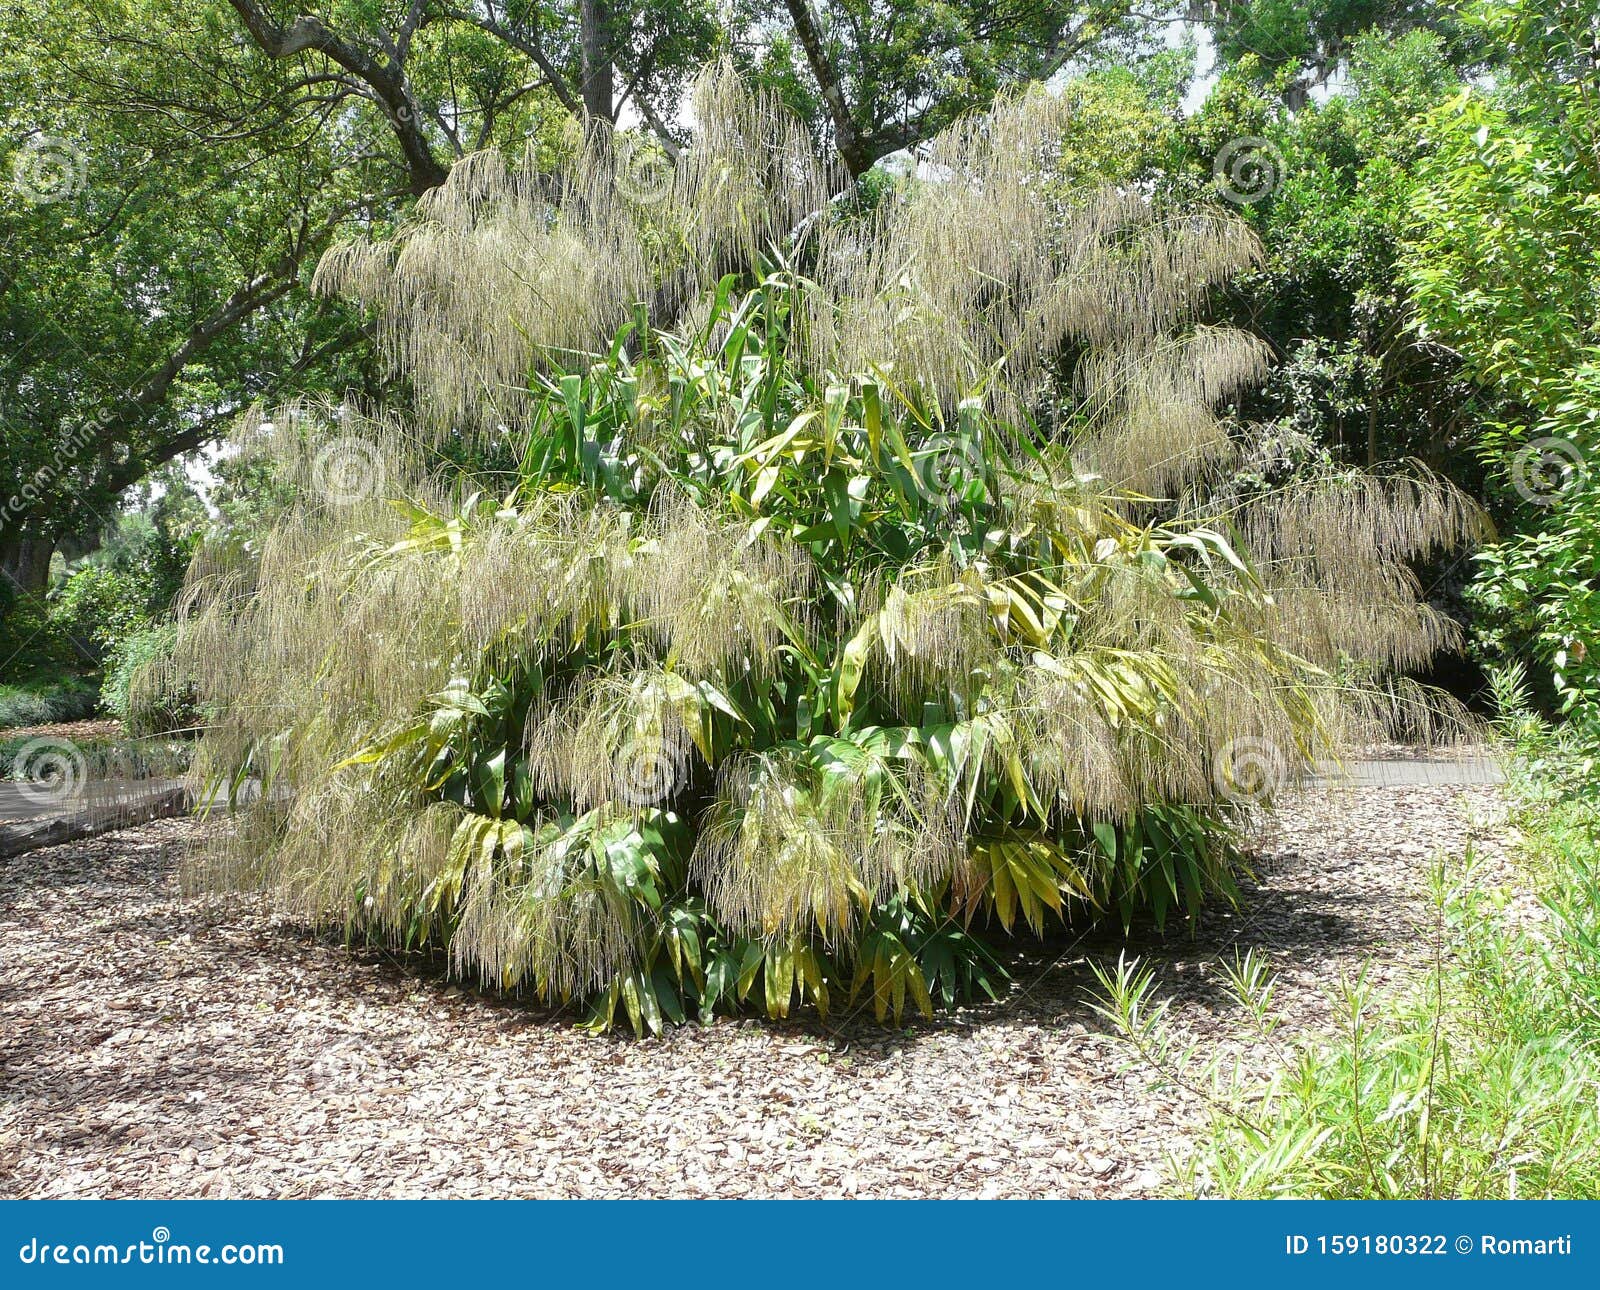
796 653
1506 199
139 688
23 708
97 605
1536 597
34 645
1481 1081
124 586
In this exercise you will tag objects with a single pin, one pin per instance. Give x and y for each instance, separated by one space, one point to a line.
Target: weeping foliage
859 588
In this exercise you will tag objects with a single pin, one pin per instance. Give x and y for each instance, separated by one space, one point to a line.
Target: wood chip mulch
150 1047
98 731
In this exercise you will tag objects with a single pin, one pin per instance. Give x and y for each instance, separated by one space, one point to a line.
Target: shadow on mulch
1052 978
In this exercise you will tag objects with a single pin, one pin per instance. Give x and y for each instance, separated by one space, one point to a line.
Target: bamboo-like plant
862 583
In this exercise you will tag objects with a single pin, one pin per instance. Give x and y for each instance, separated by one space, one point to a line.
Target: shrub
797 652
33 644
123 587
98 605
1481 1081
139 688
20 707
1535 597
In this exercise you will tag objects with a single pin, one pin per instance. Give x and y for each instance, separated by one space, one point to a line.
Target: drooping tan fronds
717 597
792 844
503 266
973 280
624 739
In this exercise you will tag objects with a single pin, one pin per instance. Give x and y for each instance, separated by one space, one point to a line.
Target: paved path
1473 768
20 802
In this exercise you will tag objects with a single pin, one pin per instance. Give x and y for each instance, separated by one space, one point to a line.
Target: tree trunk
599 88
25 562
847 140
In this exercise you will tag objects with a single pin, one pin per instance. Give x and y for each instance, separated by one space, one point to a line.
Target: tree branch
384 77
529 47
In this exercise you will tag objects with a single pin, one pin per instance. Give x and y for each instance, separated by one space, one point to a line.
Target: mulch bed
151 1047
100 731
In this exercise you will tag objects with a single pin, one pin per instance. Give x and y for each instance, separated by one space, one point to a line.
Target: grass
1482 1080
38 703
23 757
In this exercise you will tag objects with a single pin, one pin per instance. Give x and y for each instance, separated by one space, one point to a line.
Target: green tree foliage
203 152
135 571
149 258
1504 261
874 78
1299 43
1331 205
797 651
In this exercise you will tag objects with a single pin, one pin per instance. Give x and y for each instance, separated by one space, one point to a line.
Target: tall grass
46 702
